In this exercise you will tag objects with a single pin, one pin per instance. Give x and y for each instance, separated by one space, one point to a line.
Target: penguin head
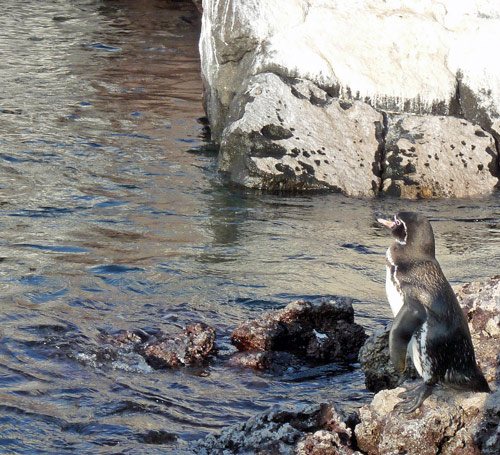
413 232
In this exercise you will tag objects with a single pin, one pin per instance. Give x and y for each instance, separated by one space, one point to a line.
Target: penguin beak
386 223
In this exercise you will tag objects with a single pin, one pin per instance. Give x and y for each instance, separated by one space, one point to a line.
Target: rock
429 157
481 303
448 423
277 362
487 437
359 50
162 350
324 332
199 5
321 57
191 345
315 429
323 442
374 360
291 135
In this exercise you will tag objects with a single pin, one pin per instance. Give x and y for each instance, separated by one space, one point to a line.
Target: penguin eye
398 222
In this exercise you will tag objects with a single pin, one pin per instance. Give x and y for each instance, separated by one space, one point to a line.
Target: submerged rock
317 332
162 350
448 423
313 430
191 345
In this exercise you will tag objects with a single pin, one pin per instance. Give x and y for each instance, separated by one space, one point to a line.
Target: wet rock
288 134
448 423
191 345
315 429
317 332
432 157
162 350
276 362
481 303
375 362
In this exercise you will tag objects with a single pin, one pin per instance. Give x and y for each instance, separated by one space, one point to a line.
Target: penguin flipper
409 319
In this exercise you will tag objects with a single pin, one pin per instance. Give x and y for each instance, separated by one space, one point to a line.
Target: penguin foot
410 390
413 398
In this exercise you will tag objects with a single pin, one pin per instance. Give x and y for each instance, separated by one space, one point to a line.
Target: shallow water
113 217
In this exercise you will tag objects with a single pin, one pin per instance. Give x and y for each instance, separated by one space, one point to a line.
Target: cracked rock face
297 96
448 423
291 135
430 157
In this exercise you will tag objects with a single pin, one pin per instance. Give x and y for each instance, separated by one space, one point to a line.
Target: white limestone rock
399 57
291 135
405 56
436 156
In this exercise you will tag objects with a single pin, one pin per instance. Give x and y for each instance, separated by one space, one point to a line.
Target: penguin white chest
394 295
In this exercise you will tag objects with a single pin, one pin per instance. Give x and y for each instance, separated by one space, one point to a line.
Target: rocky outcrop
313 430
291 135
429 156
375 86
315 332
376 365
481 303
162 350
448 423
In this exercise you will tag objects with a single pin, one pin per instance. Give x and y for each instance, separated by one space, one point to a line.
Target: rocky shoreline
304 335
354 98
448 423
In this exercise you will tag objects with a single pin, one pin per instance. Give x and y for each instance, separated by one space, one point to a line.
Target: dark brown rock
374 360
317 429
272 361
163 350
324 332
191 345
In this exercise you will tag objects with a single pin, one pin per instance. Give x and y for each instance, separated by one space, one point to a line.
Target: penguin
429 322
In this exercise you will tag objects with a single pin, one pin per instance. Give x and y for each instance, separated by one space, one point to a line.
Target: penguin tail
473 380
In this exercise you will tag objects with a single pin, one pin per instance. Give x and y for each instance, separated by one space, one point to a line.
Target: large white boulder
414 56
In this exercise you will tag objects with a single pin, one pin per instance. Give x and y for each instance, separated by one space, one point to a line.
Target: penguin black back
429 321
